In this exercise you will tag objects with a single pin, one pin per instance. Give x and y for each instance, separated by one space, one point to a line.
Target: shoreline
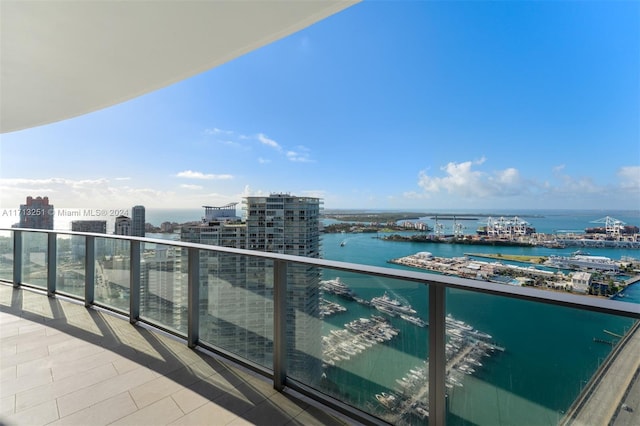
535 260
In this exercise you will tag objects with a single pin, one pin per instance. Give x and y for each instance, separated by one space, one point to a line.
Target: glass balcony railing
70 264
112 272
377 344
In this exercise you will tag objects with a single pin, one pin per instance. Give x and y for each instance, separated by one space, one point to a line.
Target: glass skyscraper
237 291
137 221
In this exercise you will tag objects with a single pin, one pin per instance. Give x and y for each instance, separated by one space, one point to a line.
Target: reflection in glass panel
534 364
70 260
236 305
6 255
112 267
163 286
373 344
34 258
304 325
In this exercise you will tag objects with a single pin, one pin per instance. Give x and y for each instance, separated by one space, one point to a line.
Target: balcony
142 331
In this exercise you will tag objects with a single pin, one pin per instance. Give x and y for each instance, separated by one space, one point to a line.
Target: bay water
550 352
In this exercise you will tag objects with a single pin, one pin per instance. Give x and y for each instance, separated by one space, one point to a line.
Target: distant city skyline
426 106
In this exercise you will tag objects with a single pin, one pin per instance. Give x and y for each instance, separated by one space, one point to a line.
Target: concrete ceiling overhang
61 59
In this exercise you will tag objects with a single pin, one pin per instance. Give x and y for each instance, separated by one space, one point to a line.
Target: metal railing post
437 357
279 324
134 281
52 262
193 332
89 270
17 258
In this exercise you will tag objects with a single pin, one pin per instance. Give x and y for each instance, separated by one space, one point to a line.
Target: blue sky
389 105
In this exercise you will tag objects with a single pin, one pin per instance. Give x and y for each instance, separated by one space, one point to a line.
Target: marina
407 401
465 349
357 336
330 308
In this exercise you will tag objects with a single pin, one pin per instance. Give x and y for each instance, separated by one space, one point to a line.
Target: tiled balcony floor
63 364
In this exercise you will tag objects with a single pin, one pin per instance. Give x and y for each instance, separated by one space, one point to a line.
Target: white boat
386 310
414 320
392 304
580 261
457 323
386 399
336 286
422 412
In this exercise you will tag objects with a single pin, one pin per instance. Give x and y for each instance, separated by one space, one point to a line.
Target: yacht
392 304
336 286
414 320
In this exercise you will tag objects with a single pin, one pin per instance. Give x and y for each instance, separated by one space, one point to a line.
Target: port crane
509 228
612 226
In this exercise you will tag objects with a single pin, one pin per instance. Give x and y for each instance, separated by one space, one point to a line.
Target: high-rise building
37 213
222 280
123 225
220 226
282 223
224 213
163 293
237 291
96 226
138 221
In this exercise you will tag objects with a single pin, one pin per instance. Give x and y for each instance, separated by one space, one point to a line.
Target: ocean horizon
543 220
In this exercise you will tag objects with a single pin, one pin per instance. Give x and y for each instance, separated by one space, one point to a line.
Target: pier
602 399
459 357
464 349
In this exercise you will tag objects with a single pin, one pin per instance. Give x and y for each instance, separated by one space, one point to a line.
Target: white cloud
187 186
269 142
216 131
248 192
122 178
315 193
82 193
190 174
465 182
462 180
299 154
630 178
298 157
580 185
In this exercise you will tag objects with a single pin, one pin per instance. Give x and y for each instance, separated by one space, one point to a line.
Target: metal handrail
614 307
